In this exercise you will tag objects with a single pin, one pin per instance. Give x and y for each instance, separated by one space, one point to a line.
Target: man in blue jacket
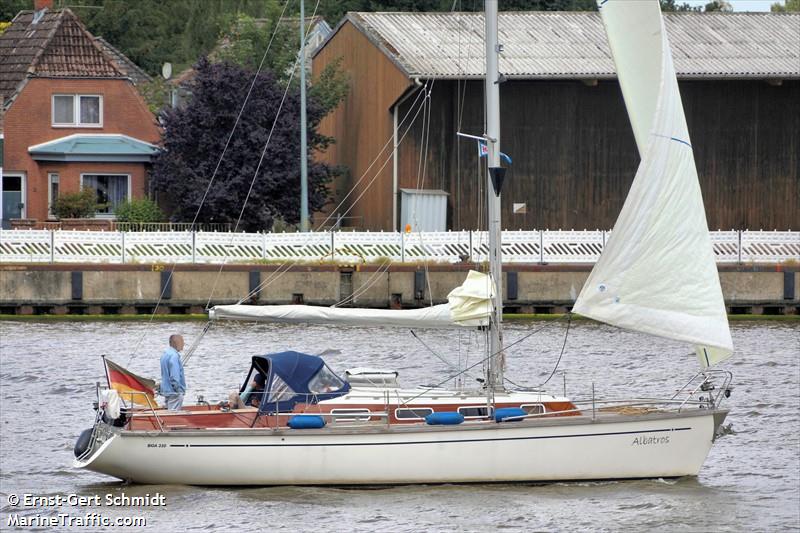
173 383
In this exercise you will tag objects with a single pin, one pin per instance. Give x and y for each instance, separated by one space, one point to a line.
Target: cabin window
350 415
77 110
279 390
412 414
473 412
113 190
533 409
325 381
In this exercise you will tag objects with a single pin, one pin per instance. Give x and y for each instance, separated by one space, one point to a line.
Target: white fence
46 246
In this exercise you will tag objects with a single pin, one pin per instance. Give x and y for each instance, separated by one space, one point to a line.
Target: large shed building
416 80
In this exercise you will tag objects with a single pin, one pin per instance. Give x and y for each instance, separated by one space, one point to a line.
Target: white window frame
76 111
351 415
537 405
109 216
412 409
459 410
50 176
23 183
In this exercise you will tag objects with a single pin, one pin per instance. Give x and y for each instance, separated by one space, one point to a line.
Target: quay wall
132 289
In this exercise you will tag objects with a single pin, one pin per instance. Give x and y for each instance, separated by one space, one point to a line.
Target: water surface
751 480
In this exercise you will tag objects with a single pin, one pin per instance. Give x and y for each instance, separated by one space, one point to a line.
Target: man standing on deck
173 383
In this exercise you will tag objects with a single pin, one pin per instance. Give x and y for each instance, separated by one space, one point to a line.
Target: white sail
469 305
657 273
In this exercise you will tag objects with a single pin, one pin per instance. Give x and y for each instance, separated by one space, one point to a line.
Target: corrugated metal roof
573 44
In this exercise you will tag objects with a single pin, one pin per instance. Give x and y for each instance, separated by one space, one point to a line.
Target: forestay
469 305
657 273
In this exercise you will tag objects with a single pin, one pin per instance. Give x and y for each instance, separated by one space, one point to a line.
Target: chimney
38 5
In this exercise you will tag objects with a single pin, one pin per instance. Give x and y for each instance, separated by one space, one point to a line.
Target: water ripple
751 480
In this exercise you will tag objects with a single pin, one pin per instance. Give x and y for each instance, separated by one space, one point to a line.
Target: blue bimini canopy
294 377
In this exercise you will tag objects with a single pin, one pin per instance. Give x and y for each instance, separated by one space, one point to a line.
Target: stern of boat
92 443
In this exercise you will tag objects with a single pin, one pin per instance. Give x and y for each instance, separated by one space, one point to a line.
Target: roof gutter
395 142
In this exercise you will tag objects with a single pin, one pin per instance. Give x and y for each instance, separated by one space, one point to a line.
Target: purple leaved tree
195 136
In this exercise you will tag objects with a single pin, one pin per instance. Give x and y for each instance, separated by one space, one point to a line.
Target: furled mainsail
468 305
657 273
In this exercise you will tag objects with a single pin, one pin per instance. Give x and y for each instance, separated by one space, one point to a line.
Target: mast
495 180
303 134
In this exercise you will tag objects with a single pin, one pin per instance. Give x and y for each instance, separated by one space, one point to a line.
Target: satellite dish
166 70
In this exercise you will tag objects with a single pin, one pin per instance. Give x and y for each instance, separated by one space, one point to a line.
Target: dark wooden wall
574 154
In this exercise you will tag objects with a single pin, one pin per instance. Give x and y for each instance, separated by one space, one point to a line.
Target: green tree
790 5
196 134
247 39
10 8
719 5
334 10
673 5
152 32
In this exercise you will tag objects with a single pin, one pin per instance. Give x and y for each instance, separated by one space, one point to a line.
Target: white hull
567 448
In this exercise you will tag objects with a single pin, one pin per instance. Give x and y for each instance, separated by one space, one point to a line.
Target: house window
112 190
77 110
52 192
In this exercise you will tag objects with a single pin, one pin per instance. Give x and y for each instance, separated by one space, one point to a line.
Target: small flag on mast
131 388
483 151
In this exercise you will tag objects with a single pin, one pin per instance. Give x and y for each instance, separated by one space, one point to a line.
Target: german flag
126 382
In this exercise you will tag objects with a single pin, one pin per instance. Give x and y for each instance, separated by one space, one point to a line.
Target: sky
738 5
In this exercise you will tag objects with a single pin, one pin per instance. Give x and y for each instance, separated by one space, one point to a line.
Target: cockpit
290 378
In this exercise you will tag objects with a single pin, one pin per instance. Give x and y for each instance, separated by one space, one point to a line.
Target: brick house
72 117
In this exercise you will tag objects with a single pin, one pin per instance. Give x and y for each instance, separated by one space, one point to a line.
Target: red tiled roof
50 44
131 69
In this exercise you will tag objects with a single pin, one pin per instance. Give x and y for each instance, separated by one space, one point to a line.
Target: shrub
76 204
142 210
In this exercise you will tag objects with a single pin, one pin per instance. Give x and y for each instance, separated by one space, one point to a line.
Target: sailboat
657 275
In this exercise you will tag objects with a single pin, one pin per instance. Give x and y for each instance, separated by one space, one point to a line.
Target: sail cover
657 273
469 305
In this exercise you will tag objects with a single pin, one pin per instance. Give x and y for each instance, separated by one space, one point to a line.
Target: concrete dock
61 289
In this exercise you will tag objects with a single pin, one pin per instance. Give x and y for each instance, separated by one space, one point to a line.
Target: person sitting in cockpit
251 397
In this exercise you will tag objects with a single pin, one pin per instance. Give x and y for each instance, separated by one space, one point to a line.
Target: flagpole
105 367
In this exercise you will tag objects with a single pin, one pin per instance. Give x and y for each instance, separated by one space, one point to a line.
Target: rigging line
260 162
461 106
274 278
420 183
437 355
558 361
196 343
286 265
564 345
388 143
481 361
377 174
252 184
211 180
370 282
